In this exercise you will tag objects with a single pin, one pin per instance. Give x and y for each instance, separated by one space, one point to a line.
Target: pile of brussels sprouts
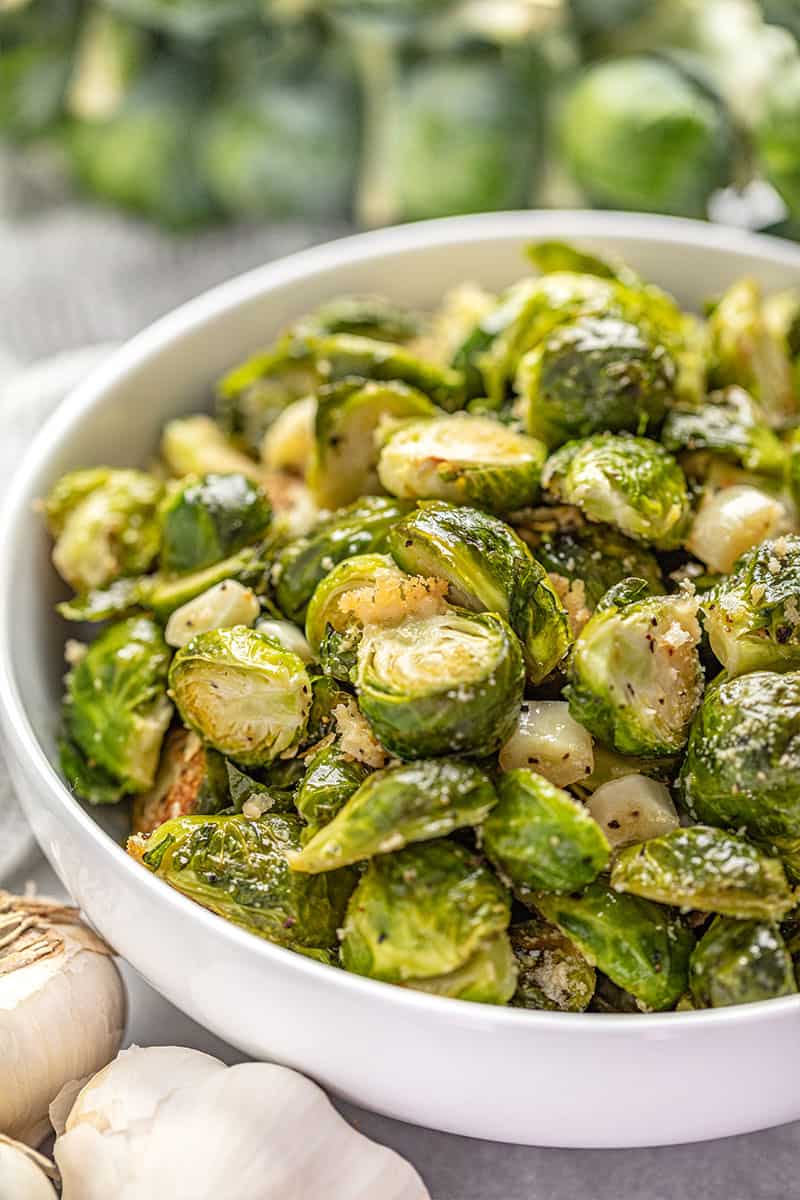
462 650
191 111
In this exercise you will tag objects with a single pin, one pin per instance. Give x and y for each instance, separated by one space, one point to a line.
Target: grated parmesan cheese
356 737
390 599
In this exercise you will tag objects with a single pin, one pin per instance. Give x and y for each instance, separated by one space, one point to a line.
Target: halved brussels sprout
252 396
550 741
553 974
742 766
740 962
640 945
463 458
448 684
707 869
346 355
594 375
237 867
489 976
421 912
330 779
224 605
730 522
593 559
116 710
411 803
362 528
105 525
728 423
632 809
209 518
196 445
489 569
541 838
745 351
635 678
344 456
242 694
631 483
333 633
752 617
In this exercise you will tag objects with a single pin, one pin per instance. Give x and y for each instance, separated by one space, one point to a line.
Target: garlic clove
250 1132
62 1009
23 1173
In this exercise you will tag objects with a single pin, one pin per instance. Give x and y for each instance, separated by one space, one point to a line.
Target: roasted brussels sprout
541 838
707 869
743 758
196 445
208 519
333 632
740 962
463 458
238 868
330 780
752 617
342 356
489 569
631 483
105 525
415 802
421 912
586 562
635 678
639 133
730 424
745 351
553 974
362 528
344 456
116 710
446 684
242 694
640 945
550 741
595 375
489 976
252 396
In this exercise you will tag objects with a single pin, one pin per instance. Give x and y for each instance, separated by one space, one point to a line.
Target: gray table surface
73 277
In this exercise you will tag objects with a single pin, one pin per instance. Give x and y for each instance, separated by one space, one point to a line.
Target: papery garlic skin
176 1123
61 1015
20 1176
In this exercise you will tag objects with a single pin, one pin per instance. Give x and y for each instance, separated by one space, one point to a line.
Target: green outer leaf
473 714
342 355
489 569
331 778
238 868
488 977
541 838
599 556
730 424
740 962
209 518
640 945
361 528
707 869
421 912
412 803
553 974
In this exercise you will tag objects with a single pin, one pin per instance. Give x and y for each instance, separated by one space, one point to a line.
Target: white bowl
540 1078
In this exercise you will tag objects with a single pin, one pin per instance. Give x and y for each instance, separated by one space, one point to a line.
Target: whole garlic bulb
167 1121
62 1009
22 1173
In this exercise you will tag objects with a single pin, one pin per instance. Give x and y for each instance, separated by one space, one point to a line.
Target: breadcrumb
572 594
390 599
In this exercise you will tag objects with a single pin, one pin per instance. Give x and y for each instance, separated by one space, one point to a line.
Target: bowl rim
203 310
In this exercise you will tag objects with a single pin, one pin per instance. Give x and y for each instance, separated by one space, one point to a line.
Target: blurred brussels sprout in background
487 568
635 678
116 709
740 962
237 867
745 350
752 616
105 525
207 519
197 445
594 375
415 802
252 396
640 133
540 837
421 912
38 40
640 945
778 137
631 483
706 869
553 974
186 18
743 758
242 694
446 684
351 356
